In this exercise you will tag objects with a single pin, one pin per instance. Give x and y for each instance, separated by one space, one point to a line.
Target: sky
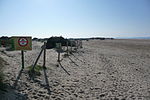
75 18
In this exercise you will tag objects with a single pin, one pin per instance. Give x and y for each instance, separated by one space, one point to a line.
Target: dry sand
101 70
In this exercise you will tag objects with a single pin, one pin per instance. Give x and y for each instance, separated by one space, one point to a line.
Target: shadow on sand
77 58
18 77
73 61
46 85
11 94
46 81
63 68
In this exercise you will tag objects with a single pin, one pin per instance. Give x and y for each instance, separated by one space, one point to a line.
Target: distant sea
132 37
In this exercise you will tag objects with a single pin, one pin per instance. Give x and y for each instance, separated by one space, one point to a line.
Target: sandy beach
101 70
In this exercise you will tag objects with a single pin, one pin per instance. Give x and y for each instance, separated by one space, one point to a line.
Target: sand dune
101 70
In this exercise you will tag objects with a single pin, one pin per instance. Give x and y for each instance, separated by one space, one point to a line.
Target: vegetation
51 42
37 70
2 85
5 41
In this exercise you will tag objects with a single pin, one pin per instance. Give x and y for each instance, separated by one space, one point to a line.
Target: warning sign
21 43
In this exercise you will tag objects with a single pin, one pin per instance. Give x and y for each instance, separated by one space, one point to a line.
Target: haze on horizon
75 18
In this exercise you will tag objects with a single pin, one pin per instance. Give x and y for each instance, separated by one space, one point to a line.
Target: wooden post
77 44
22 56
81 44
44 57
71 46
58 47
67 48
44 69
37 59
58 55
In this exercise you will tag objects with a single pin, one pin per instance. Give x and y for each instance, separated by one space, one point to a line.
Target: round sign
22 42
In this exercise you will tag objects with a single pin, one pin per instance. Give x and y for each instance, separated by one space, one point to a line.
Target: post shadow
18 77
77 58
43 85
63 68
46 81
73 61
5 95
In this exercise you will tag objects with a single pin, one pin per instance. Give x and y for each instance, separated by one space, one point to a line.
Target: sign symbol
23 42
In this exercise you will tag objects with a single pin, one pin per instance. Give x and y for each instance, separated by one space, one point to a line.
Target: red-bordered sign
22 41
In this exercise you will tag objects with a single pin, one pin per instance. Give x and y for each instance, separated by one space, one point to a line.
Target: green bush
37 70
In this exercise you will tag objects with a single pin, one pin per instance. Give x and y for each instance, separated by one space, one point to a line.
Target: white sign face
23 42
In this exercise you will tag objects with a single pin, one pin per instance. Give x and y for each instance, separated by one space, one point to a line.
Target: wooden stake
76 44
81 44
58 55
67 48
22 53
44 57
58 50
71 46
37 59
44 69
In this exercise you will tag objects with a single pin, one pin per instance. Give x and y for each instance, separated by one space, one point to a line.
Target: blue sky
75 18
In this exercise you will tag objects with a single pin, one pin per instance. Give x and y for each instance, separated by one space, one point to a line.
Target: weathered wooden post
58 47
67 48
37 59
81 44
58 56
77 44
71 46
0 43
44 68
22 56
44 57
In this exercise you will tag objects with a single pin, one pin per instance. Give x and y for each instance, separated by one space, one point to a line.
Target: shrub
51 42
37 70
